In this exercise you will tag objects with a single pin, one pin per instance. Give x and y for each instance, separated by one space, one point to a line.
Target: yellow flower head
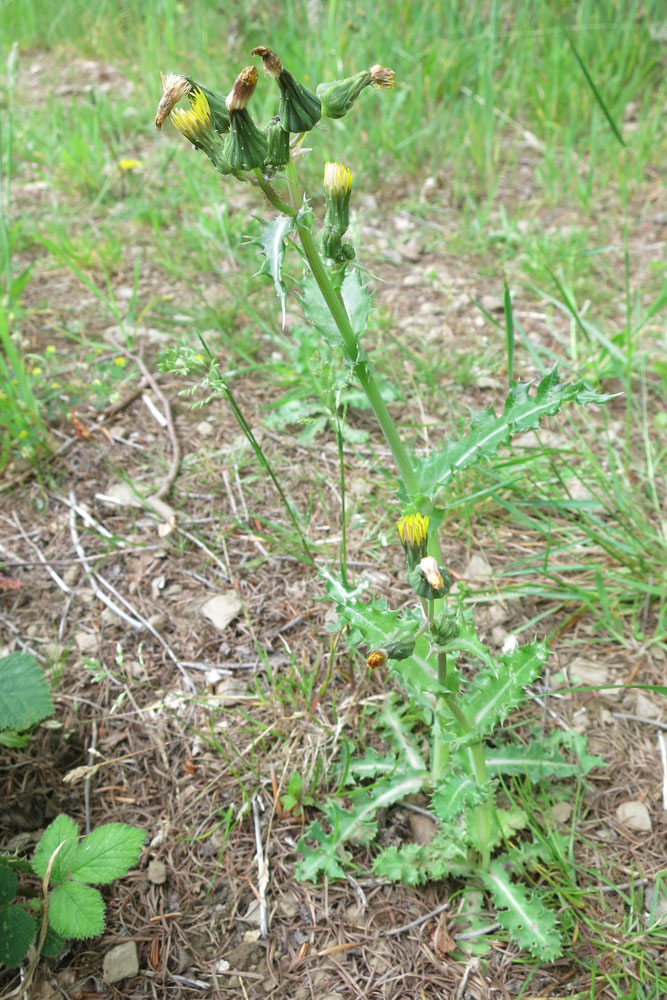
337 179
195 122
413 530
129 164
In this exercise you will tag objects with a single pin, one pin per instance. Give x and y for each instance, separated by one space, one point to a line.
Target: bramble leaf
523 915
521 412
76 910
63 831
17 929
24 692
8 884
107 853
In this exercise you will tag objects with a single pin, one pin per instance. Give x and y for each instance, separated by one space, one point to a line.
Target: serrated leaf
76 910
272 247
53 943
356 298
494 694
326 858
24 692
63 831
455 795
414 864
542 757
372 622
107 853
17 929
358 821
371 765
523 915
8 884
522 411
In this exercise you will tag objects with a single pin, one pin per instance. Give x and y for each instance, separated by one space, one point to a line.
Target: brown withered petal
429 570
381 76
272 63
174 89
377 658
243 89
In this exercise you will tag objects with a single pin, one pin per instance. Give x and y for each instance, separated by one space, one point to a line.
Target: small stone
635 815
222 609
562 811
204 429
122 962
157 872
86 642
492 303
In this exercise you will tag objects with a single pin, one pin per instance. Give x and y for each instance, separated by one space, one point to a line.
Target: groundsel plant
443 729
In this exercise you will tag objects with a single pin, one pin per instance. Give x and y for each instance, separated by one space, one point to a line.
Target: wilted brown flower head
430 571
382 77
174 89
272 63
243 89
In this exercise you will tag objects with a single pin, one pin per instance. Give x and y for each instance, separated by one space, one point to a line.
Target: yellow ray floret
413 529
337 179
193 122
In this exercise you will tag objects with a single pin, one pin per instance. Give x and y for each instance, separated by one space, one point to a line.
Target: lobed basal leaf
521 912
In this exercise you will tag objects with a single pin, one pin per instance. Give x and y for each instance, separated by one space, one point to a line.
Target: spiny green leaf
272 246
371 622
357 300
494 694
371 765
63 831
414 864
523 915
522 411
24 693
76 910
455 795
358 821
107 853
17 929
543 758
326 858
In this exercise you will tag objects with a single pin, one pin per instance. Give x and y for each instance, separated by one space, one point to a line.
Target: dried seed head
382 77
174 89
272 63
243 89
429 569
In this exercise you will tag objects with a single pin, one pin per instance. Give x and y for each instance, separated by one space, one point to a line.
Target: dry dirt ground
181 719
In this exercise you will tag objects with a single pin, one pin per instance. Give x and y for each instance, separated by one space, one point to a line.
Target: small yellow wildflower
413 529
194 122
130 164
120 362
49 350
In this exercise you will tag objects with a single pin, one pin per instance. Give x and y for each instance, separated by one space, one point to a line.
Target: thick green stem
440 747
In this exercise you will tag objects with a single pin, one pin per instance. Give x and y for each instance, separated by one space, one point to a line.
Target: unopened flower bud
378 658
246 146
278 140
399 646
428 580
174 89
338 96
300 109
337 190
